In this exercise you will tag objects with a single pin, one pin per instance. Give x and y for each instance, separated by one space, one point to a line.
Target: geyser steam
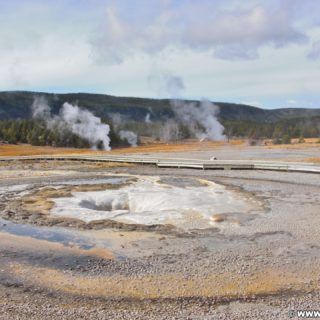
80 122
40 108
147 118
130 136
85 125
200 118
127 135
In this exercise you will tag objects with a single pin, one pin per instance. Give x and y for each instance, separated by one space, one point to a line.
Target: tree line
36 132
281 131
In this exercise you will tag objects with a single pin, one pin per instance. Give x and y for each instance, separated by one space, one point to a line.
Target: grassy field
308 142
313 160
25 149
188 145
28 150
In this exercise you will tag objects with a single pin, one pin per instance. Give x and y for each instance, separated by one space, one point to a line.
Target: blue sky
261 52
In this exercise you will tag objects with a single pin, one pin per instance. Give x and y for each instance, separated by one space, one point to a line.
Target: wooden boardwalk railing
183 163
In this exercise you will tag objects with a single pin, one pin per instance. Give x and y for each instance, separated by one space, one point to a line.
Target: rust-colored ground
263 282
313 160
27 244
308 142
188 145
28 150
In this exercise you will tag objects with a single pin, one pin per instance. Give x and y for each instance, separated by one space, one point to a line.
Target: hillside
16 104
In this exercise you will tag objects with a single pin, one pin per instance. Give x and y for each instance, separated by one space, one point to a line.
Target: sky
261 52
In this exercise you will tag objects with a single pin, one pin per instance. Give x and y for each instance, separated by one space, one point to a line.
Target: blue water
53 234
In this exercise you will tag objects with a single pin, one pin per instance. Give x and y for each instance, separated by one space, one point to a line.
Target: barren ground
257 266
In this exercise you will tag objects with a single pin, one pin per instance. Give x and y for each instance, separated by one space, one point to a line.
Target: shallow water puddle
52 234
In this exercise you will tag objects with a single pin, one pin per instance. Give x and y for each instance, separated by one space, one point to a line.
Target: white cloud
225 50
314 53
233 33
165 84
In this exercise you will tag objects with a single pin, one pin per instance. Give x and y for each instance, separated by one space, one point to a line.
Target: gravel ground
245 152
260 268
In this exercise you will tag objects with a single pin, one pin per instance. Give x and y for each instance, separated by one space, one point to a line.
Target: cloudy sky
261 52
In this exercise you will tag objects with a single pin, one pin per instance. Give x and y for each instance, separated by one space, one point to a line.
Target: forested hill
16 104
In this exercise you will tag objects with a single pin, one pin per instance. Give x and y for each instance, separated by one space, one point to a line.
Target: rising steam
147 118
40 108
201 118
80 122
129 136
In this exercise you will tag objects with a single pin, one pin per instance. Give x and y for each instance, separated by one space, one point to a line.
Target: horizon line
156 98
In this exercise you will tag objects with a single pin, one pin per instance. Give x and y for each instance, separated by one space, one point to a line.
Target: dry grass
308 142
28 150
151 147
190 145
313 160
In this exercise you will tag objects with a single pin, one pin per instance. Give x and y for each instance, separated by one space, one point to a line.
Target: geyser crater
148 201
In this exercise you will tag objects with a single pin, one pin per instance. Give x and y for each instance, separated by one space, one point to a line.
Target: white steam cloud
170 131
80 122
240 30
129 136
200 118
116 119
40 108
85 125
147 118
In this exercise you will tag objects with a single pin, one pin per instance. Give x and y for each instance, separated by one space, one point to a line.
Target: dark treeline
279 131
37 133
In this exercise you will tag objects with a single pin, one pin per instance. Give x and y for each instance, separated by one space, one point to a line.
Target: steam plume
147 118
170 131
80 122
40 108
85 125
130 136
201 119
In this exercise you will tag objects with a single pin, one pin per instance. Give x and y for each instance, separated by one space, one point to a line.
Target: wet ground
255 264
